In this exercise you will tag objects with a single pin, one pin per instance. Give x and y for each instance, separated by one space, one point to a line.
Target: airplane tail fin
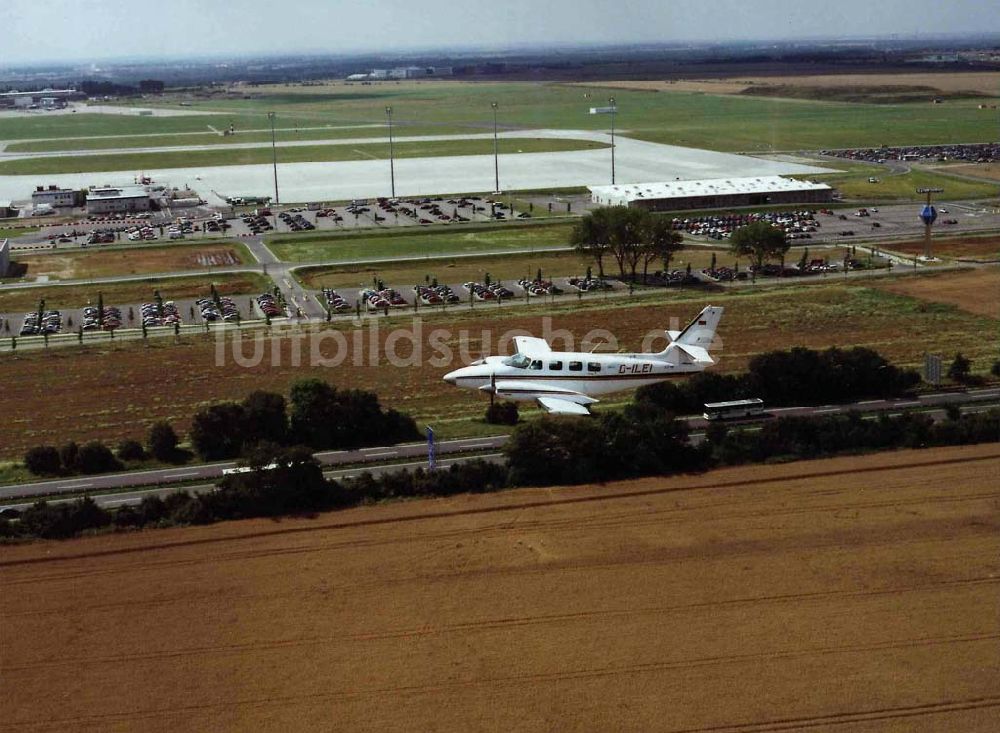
701 331
697 336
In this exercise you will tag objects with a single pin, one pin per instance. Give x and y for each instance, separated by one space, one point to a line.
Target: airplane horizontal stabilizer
556 406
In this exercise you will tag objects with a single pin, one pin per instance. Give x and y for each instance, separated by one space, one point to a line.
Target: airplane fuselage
588 374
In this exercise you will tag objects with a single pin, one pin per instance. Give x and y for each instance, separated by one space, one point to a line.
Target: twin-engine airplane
565 383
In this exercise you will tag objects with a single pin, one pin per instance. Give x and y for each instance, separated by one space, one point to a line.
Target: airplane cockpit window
518 361
536 364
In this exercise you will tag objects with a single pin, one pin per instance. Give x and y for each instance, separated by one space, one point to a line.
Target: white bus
734 409
247 469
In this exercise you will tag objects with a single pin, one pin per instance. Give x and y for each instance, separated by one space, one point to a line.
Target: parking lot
156 312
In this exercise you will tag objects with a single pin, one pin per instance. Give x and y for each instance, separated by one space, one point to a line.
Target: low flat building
115 200
6 210
56 197
4 257
714 193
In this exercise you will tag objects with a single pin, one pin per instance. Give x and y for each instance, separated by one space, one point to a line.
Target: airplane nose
451 377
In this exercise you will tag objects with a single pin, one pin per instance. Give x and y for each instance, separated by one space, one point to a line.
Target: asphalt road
134 497
386 458
213 471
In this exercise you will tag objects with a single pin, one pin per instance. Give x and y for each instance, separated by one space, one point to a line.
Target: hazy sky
56 30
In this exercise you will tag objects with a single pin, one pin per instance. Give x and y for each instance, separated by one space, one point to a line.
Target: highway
113 489
134 497
213 471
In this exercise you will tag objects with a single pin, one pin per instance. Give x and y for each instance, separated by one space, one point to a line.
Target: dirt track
849 595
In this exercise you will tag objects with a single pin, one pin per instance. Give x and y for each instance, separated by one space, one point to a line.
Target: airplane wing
531 345
557 406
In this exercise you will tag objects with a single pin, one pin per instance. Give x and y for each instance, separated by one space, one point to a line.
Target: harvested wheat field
854 594
986 83
976 291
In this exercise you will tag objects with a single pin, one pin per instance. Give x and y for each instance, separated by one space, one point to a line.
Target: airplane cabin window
593 366
555 366
576 366
537 364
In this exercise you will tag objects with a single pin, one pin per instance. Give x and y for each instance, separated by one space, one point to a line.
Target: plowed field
856 594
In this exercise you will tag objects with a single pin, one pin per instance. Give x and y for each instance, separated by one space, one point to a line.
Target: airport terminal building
715 193
108 200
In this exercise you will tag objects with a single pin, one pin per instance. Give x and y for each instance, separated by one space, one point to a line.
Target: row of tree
629 237
316 415
633 237
553 450
798 376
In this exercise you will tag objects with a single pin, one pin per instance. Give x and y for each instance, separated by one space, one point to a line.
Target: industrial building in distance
713 193
114 200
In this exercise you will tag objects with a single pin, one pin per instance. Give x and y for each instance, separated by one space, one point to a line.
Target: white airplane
565 383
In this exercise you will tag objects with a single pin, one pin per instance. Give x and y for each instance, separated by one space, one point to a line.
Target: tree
218 431
68 453
759 242
660 242
265 418
162 441
502 413
95 457
960 369
130 450
628 227
591 236
43 460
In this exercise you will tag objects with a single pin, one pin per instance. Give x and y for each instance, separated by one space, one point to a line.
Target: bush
43 460
68 454
95 457
960 369
162 441
265 417
324 417
502 413
218 431
130 450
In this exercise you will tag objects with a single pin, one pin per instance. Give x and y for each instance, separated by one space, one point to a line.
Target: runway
636 161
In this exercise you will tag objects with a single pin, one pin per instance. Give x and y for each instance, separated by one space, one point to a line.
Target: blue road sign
928 215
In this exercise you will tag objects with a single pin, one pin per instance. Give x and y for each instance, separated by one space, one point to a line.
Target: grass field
13 232
982 82
983 248
112 393
855 185
852 594
975 291
16 300
76 264
296 154
710 121
429 242
212 138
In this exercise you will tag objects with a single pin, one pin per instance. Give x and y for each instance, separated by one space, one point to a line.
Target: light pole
614 111
392 163
496 152
928 215
274 158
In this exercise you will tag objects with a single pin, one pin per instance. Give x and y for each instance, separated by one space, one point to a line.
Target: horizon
438 28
